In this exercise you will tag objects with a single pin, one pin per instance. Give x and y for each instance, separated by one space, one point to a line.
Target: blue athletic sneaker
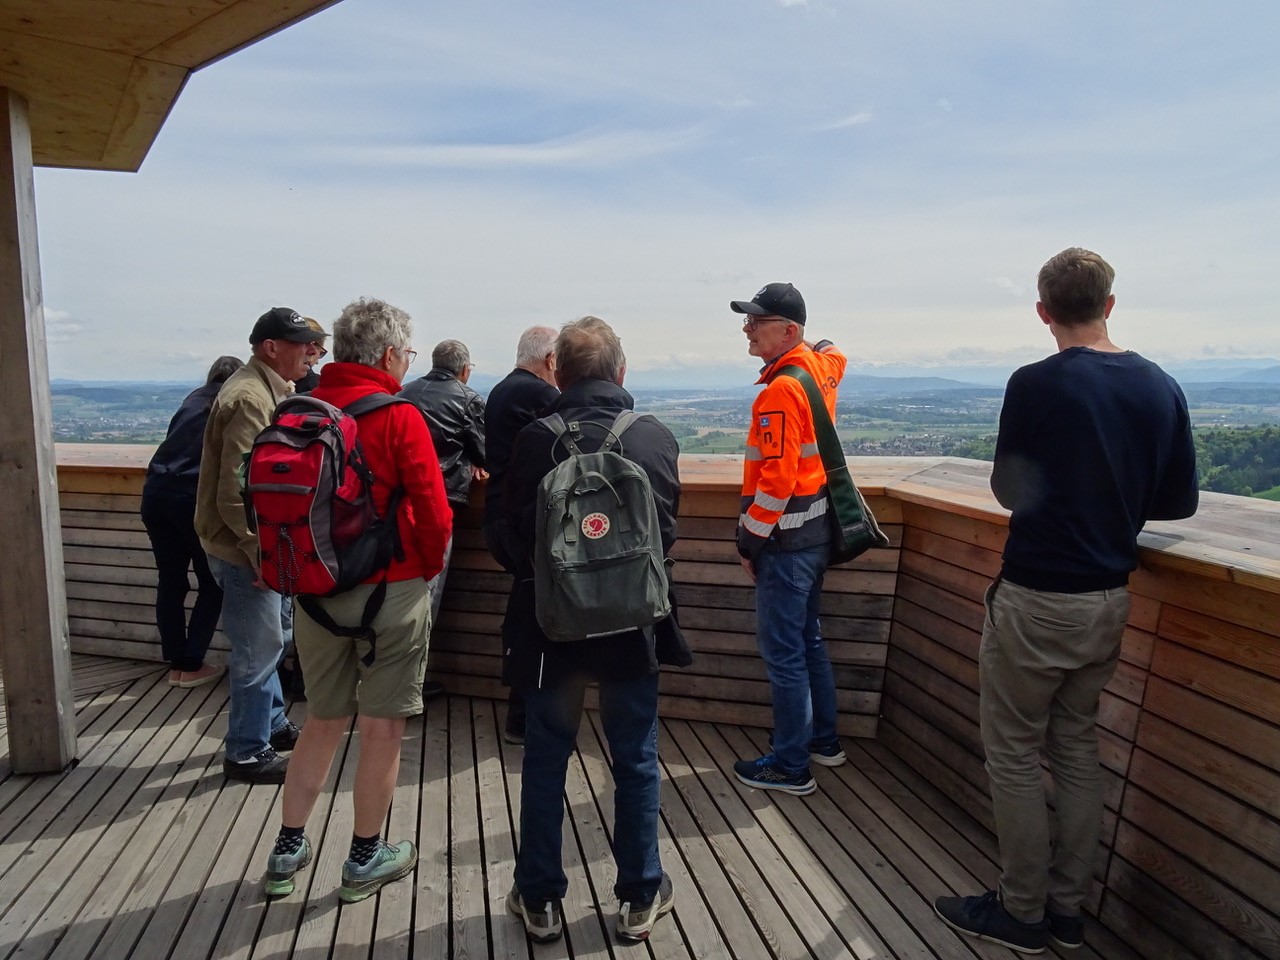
765 774
281 867
827 754
390 863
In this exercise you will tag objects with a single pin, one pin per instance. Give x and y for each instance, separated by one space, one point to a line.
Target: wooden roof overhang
100 76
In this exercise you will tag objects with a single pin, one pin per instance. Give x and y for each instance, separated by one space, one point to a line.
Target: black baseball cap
773 300
284 323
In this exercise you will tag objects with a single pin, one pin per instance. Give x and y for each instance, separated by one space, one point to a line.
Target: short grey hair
589 349
535 343
451 355
366 328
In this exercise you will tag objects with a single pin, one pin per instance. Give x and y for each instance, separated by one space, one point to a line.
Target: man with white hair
253 615
516 401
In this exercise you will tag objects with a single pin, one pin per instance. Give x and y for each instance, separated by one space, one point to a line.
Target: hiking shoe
285 738
635 922
1065 931
431 690
828 755
208 673
390 863
266 766
986 918
543 921
281 867
174 677
765 774
514 733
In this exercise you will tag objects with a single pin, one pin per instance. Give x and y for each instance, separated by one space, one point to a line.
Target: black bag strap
840 486
371 402
365 631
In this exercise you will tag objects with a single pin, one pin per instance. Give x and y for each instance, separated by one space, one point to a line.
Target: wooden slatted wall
1189 737
727 682
111 593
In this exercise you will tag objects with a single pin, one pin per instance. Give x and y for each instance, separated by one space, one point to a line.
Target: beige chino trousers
1043 662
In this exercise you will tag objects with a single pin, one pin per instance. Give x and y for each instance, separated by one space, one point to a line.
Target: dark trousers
170 523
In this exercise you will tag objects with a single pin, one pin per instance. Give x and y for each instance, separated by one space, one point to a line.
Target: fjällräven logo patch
595 526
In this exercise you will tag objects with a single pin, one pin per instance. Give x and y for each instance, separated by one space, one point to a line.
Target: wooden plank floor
143 850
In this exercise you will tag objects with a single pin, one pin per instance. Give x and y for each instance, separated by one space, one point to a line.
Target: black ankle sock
363 848
288 840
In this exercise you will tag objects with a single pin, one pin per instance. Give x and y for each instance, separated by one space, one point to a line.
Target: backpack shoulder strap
560 433
619 426
371 402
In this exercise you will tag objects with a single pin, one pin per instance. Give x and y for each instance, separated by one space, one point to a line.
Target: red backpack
309 497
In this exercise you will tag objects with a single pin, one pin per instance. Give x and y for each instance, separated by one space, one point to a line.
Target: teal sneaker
390 863
282 866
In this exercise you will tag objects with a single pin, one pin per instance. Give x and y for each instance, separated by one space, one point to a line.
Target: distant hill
1267 375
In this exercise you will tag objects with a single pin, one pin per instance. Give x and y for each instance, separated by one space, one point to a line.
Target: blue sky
498 163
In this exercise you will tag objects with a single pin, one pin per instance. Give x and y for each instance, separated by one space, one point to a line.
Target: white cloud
1015 289
854 120
584 150
60 326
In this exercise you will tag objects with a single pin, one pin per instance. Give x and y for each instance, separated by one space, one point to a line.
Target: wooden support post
34 652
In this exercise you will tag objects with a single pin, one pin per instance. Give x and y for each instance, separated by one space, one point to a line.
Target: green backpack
598 567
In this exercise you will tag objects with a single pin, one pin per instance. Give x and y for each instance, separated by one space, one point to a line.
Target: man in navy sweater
1094 442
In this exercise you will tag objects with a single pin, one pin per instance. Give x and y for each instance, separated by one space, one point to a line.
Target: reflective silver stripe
763 499
753 525
753 453
808 450
790 521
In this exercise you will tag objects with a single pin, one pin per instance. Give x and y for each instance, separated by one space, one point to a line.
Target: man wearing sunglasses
784 539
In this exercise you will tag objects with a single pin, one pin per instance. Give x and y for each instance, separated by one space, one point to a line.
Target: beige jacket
242 408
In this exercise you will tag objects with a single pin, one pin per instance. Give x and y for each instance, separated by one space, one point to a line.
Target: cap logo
595 526
760 292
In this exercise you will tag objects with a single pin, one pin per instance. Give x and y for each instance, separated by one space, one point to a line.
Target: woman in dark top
168 513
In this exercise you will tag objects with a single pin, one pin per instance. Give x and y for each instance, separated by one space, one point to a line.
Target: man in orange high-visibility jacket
784 540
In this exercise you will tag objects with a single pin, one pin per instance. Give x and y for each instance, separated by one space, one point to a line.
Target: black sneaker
266 767
765 774
986 918
543 922
1065 931
283 739
431 690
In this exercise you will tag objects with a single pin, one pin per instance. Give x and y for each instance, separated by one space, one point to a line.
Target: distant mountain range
895 379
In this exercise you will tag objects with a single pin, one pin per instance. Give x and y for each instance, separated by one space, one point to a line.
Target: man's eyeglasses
752 322
321 353
411 355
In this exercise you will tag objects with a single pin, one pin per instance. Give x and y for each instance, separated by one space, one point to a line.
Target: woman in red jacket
371 354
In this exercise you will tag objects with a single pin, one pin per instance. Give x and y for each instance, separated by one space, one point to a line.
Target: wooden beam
34 650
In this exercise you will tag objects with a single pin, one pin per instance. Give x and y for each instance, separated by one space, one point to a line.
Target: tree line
1240 460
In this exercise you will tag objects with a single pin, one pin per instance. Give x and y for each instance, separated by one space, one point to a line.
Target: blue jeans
629 712
788 594
257 622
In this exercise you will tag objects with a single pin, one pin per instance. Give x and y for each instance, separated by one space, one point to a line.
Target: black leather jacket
455 414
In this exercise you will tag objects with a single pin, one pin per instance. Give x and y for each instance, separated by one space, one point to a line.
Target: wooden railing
1190 725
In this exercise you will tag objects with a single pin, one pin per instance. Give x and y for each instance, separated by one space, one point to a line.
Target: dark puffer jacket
531 660
455 414
174 469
